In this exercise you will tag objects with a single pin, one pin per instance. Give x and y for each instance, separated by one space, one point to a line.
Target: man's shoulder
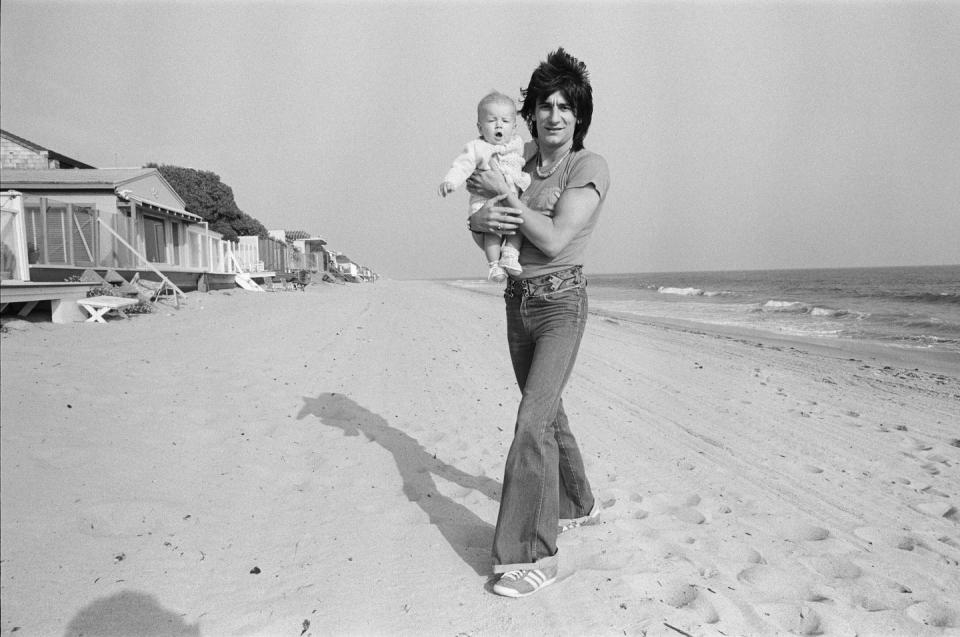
589 160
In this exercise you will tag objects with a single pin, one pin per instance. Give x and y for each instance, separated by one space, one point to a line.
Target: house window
83 220
55 233
13 244
36 247
155 239
114 253
59 233
176 234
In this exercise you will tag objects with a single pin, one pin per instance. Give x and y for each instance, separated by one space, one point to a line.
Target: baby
496 121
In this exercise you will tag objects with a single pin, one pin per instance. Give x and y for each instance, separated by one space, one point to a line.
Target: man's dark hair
564 73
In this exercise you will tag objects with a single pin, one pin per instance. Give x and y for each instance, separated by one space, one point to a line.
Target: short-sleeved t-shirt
583 169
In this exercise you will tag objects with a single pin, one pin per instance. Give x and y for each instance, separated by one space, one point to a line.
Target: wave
928 297
798 307
795 307
681 291
928 326
829 312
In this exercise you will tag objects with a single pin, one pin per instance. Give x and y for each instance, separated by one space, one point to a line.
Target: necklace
553 168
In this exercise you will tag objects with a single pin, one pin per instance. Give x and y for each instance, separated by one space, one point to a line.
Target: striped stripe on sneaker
523 583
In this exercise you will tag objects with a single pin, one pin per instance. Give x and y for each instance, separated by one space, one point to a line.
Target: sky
739 135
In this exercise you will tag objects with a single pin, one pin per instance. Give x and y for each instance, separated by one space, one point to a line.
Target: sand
329 462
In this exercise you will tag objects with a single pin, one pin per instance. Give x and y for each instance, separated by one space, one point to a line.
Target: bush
100 291
143 307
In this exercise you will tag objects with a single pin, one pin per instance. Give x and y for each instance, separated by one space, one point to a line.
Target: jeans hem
543 562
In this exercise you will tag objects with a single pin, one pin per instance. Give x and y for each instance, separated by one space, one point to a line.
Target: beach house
17 152
126 219
76 217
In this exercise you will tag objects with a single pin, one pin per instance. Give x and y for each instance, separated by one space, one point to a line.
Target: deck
63 297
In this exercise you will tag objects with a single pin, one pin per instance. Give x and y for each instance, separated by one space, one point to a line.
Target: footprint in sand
740 554
937 614
792 618
873 594
833 567
772 583
619 505
797 531
886 538
938 458
929 489
680 596
691 516
916 444
689 596
939 510
682 508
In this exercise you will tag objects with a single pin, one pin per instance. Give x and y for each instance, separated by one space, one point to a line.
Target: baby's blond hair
495 97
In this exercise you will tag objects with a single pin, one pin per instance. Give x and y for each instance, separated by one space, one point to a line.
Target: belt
571 277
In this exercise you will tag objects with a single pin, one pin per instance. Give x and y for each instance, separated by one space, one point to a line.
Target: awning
158 207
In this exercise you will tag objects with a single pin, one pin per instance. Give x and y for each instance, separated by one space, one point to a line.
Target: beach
329 463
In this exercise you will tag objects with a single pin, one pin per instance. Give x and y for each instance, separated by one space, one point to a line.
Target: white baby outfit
478 153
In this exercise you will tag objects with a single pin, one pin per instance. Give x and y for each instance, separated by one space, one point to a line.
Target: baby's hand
446 188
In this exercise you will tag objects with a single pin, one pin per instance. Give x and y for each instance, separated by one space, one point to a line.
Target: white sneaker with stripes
523 583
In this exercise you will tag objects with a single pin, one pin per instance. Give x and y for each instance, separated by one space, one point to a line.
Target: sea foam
785 306
681 291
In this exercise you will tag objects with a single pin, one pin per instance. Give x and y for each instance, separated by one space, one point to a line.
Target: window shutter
56 232
83 235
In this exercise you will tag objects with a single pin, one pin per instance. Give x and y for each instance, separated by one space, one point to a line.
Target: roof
177 212
81 177
112 179
52 154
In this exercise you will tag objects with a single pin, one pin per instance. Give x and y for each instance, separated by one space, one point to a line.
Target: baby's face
496 122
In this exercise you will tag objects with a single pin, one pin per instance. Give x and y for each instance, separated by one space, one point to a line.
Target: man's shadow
466 533
129 613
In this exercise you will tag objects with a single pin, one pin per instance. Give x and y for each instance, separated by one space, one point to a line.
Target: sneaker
569 525
523 583
496 274
510 263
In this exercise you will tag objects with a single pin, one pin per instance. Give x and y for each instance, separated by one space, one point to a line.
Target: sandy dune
329 462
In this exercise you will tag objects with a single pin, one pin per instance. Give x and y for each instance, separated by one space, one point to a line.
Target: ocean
908 307
914 308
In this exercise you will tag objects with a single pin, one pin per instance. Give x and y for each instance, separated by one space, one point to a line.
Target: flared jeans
544 479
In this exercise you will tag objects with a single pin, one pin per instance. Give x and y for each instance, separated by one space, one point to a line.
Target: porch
61 295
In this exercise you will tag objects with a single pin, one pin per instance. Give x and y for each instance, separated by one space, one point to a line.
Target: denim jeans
544 478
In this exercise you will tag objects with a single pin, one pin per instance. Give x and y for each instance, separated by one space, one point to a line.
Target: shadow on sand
129 613
469 536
